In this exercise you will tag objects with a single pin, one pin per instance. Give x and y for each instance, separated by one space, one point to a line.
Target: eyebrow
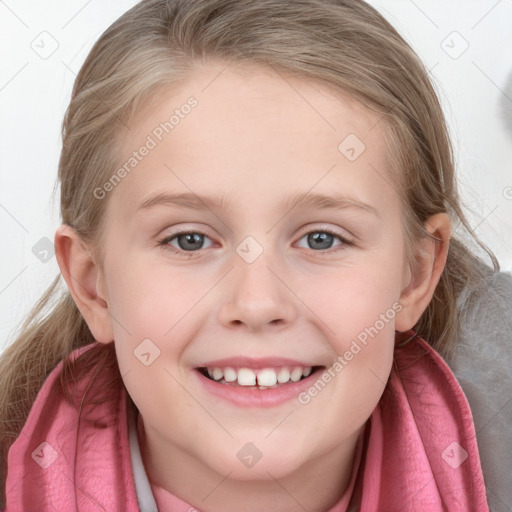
304 200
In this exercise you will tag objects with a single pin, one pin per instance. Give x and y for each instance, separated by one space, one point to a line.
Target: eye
322 239
187 241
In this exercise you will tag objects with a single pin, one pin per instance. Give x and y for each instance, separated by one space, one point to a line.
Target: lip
254 363
251 397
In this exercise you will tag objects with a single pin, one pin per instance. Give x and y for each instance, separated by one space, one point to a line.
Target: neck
317 485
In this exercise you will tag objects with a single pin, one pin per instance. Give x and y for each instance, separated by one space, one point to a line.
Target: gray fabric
482 363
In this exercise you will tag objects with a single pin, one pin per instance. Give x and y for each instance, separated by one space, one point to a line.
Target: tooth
296 374
283 376
230 375
210 372
246 377
267 377
217 374
306 372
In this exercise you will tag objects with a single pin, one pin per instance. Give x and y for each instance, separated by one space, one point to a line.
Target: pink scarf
420 450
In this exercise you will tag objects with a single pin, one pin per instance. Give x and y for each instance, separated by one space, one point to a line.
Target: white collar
143 490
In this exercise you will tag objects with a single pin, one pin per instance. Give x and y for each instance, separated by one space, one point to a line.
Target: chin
249 462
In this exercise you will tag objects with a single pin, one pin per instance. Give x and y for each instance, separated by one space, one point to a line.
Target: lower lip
254 397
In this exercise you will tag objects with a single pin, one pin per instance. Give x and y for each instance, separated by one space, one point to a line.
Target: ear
85 282
429 261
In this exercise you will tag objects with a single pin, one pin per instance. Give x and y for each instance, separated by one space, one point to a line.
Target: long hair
342 43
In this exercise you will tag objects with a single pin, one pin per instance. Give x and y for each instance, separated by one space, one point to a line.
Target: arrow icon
45 455
249 253
454 455
249 455
146 352
40 455
351 147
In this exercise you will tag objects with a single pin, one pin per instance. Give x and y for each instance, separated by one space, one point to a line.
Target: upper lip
254 363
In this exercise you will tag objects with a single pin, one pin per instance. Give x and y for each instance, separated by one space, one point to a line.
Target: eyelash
188 254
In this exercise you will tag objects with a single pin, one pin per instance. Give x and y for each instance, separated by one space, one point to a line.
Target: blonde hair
346 44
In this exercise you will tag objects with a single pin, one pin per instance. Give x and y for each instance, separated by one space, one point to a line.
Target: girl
257 200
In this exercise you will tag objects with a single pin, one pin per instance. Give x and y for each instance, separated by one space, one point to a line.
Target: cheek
151 308
354 299
150 299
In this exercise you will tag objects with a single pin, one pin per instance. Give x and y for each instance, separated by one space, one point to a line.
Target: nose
257 297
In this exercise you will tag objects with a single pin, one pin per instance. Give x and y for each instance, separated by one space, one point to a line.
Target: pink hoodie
419 453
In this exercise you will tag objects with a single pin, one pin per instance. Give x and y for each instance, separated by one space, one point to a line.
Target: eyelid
346 238
345 241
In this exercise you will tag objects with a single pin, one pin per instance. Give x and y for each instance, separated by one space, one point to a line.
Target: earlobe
428 265
84 279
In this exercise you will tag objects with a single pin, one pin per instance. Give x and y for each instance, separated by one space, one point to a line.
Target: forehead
251 131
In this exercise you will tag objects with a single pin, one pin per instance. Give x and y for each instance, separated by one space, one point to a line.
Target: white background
35 91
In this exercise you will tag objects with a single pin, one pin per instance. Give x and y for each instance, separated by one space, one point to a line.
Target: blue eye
190 242
323 240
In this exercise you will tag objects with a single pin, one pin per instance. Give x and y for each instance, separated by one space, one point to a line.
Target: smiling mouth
264 378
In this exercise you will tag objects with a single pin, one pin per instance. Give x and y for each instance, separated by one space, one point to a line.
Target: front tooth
296 374
217 374
230 375
307 371
267 377
246 377
283 376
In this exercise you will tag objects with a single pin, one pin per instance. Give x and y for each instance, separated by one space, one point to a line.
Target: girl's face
261 282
